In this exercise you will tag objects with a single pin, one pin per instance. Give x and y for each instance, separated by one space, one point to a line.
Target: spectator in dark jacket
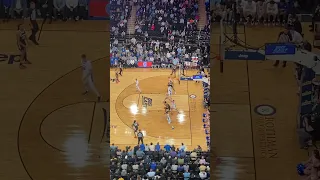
315 17
297 25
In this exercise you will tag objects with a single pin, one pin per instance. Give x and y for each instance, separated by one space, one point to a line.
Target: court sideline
55 69
254 147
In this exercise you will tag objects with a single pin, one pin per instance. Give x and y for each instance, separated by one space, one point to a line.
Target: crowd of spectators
164 31
271 12
206 126
156 162
52 9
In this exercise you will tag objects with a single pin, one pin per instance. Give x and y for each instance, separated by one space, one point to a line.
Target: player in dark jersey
166 107
173 72
117 77
135 127
22 46
120 69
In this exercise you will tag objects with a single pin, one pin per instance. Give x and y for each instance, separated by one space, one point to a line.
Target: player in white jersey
272 12
261 12
249 11
87 77
173 106
137 86
170 91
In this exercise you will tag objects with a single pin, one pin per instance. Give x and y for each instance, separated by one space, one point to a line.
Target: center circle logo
192 96
265 110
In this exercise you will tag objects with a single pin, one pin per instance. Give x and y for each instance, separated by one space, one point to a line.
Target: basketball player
170 86
137 86
120 69
272 12
22 46
167 107
169 91
173 106
261 12
87 77
167 111
249 11
117 77
173 72
135 127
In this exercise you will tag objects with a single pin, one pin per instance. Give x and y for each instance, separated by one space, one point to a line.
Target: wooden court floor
254 147
45 120
49 130
126 106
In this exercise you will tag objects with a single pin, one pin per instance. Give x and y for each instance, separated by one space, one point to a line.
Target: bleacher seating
159 164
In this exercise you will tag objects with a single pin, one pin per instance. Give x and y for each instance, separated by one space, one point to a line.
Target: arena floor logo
10 58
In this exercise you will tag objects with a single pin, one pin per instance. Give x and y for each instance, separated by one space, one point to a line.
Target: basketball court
46 123
253 146
127 105
49 130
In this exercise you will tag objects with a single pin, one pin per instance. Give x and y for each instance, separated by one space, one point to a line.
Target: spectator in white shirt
203 175
146 148
151 147
174 167
182 147
151 174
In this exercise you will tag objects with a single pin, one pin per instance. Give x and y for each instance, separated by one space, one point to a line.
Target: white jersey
296 37
272 8
261 9
249 6
173 105
137 83
86 69
169 90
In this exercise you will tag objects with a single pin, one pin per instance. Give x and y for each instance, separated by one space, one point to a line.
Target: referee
33 22
140 137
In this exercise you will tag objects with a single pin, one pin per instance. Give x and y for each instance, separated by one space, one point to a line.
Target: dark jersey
22 40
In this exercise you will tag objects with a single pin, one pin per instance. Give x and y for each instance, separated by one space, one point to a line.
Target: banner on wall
144 64
306 91
99 9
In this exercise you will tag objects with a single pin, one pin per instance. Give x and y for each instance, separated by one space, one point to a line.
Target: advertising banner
307 91
145 64
244 55
99 9
279 49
